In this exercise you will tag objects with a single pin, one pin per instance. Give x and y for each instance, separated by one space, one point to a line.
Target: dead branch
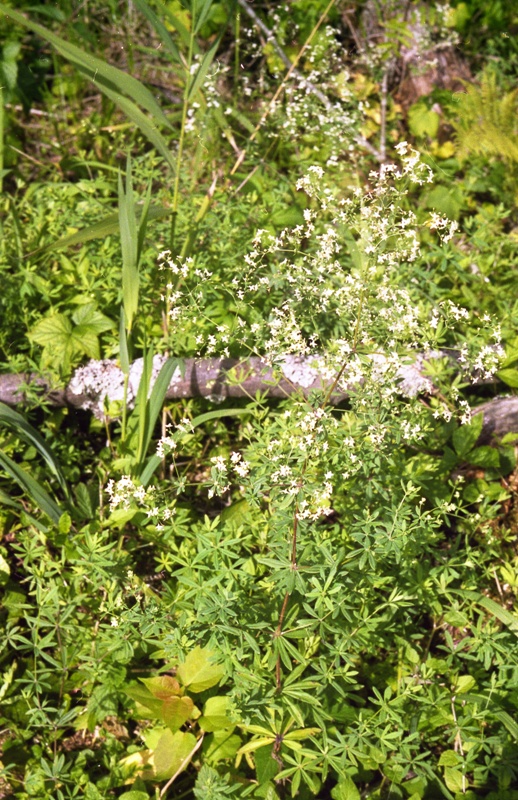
99 383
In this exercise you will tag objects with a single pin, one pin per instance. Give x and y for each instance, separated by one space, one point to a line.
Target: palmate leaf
63 341
124 90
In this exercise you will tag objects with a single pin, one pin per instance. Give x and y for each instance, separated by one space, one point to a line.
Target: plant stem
278 630
185 107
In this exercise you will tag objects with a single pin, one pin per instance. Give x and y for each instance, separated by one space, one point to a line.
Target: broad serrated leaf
88 314
484 456
198 671
162 686
172 753
176 711
508 376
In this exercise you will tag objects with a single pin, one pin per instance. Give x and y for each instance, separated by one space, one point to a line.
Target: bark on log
221 378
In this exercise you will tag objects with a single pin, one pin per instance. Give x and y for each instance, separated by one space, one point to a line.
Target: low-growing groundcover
267 597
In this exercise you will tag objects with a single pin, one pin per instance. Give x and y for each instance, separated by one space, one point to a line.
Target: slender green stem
124 408
237 53
1 139
181 140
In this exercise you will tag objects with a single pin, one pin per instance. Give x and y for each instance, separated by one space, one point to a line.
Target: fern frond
487 121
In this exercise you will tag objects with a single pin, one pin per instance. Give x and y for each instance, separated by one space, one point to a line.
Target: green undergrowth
309 595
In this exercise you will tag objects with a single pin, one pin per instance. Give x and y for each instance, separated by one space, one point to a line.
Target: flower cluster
335 300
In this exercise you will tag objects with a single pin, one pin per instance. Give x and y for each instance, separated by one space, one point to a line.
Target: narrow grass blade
99 230
141 412
124 354
202 11
157 397
129 246
155 403
494 608
165 38
16 422
142 224
97 70
34 489
201 72
217 414
145 125
124 90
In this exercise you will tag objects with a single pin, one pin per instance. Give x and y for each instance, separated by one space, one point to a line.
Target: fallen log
99 383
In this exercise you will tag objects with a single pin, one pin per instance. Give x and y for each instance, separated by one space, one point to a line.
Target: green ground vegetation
259 597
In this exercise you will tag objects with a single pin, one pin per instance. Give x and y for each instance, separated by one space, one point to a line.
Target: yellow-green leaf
176 711
172 753
162 686
215 714
198 671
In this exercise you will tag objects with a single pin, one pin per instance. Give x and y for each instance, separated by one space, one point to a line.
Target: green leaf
454 779
63 342
124 90
124 345
172 753
134 794
129 246
198 671
302 733
99 71
215 714
143 123
465 437
176 711
345 790
25 431
36 492
201 11
484 456
509 722
494 608
87 315
255 744
266 767
148 706
509 376
162 687
155 404
201 73
5 570
221 745
449 758
65 523
422 121
100 230
163 34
